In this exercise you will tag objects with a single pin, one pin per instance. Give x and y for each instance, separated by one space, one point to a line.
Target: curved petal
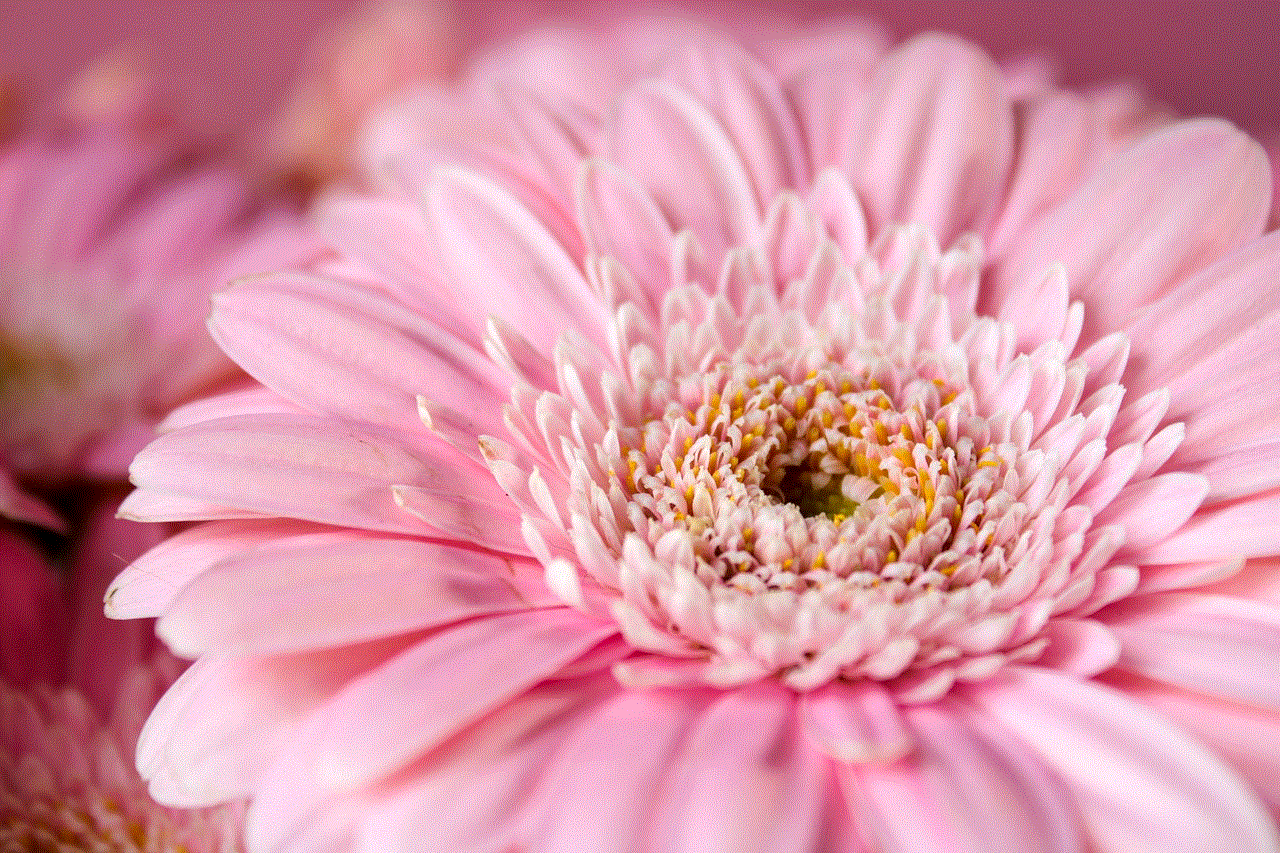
1140 784
505 262
1226 647
746 743
1155 214
966 789
351 352
301 467
334 589
678 151
936 140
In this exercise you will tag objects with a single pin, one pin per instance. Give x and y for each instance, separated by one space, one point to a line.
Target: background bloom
719 471
74 691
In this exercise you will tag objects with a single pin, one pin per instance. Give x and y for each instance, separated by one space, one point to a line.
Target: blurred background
1194 57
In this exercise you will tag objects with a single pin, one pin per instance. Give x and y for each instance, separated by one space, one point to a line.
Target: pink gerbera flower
723 471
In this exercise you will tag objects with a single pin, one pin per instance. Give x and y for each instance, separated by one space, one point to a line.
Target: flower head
717 469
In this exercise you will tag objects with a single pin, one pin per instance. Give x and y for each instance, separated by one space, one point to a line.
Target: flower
74 690
110 244
863 458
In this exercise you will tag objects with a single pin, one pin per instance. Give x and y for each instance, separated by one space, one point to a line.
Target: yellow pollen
688 443
846 387
820 560
748 533
802 403
882 434
850 410
838 518
989 463
752 382
715 400
905 432
921 520
903 455
873 385
788 563
884 402
891 557
942 428
737 400
789 424
818 388
947 399
811 374
926 489
826 419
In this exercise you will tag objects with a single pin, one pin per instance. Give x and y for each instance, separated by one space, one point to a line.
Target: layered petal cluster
873 454
110 243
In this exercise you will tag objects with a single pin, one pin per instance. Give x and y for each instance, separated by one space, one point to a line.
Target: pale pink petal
278 464
855 723
1139 783
413 704
1244 528
347 351
1212 644
600 789
746 743
1248 739
968 788
1139 225
936 138
678 151
333 589
214 732
749 103
495 247
471 792
147 586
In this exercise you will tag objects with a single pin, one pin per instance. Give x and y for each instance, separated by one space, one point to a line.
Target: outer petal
1226 647
352 353
1140 784
744 781
965 790
333 589
936 139
1159 212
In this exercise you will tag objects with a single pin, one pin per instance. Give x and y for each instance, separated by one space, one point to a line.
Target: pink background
1197 57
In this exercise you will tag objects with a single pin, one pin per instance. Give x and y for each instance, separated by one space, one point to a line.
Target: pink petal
214 732
855 723
32 643
621 220
969 788
19 506
297 466
353 353
333 589
684 157
470 793
1152 509
936 139
1213 644
436 688
1139 225
148 585
748 102
747 746
503 261
1139 783
600 789
1248 739
1244 528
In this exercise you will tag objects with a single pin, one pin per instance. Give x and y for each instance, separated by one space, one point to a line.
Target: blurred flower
74 691
386 48
868 455
110 244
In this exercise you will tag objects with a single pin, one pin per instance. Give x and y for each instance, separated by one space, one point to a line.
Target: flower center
787 482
